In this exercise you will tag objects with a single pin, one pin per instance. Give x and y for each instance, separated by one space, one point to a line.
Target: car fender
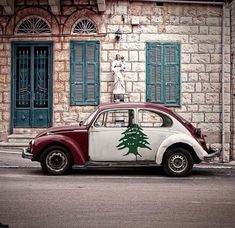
43 142
179 138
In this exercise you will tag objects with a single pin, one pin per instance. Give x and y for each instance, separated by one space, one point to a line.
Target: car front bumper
26 153
212 153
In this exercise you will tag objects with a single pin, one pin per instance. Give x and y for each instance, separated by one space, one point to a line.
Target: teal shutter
171 74
162 73
84 73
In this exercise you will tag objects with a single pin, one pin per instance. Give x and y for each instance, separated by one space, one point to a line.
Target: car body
122 134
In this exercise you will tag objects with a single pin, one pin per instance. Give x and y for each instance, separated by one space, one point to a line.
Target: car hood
55 130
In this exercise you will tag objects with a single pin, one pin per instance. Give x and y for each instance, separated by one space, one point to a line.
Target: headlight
32 142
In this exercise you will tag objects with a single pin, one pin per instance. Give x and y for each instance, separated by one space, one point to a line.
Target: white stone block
188 87
198 117
200 58
211 87
192 77
198 87
138 66
189 48
139 86
214 30
205 108
192 108
213 67
156 19
204 77
133 56
132 37
186 20
199 20
181 29
212 117
206 48
208 39
185 58
203 30
212 98
213 21
216 58
142 56
198 98
186 98
193 68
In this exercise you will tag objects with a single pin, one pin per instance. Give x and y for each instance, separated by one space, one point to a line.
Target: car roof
135 105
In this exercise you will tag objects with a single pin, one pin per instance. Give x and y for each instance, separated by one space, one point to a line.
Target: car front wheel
56 160
177 162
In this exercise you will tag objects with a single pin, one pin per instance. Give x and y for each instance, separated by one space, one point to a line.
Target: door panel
107 133
31 85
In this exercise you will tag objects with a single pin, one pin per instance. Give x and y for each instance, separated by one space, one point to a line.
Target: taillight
198 132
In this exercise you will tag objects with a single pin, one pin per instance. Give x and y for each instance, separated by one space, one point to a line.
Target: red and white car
122 134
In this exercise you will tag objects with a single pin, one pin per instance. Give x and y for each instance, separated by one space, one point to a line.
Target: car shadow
136 171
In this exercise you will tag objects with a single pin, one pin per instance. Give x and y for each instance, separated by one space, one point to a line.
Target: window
84 26
115 118
148 118
163 73
84 76
33 25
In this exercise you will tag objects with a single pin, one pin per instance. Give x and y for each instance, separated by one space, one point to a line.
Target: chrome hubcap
56 161
178 163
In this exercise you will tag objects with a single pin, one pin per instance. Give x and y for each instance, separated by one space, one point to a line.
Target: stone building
56 55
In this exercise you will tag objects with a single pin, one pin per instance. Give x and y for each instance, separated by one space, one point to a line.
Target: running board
92 164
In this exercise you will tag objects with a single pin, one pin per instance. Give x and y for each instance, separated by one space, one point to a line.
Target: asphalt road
117 198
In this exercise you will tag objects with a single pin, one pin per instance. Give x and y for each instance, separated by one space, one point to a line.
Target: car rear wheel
56 160
177 162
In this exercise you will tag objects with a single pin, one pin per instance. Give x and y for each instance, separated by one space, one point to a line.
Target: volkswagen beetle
122 134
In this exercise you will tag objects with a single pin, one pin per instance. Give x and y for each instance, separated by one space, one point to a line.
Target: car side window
149 118
115 118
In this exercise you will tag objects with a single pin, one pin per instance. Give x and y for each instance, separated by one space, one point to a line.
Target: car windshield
88 120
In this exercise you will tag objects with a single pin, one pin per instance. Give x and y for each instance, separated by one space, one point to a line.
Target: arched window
33 25
84 26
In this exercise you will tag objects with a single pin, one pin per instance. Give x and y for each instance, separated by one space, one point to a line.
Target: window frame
113 110
160 114
85 100
163 100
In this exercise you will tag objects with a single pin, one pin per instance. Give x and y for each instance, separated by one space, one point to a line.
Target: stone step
21 138
8 146
28 130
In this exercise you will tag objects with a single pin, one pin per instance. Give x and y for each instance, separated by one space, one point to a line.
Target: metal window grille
33 25
84 26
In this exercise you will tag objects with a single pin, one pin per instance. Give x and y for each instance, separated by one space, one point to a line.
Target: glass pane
23 80
41 76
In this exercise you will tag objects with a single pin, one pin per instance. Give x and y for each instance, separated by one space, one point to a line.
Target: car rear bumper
212 153
26 154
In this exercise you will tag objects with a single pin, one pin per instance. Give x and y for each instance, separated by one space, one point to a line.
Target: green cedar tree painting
132 139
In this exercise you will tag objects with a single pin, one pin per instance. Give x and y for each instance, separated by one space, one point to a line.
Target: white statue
118 66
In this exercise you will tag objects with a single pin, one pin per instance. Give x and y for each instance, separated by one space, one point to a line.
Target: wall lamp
118 35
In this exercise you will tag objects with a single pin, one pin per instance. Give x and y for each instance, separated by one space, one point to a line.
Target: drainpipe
222 81
222 159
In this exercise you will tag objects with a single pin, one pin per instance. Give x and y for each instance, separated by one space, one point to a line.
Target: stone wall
5 60
196 27
233 78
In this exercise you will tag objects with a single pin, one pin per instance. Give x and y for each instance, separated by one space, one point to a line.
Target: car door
155 127
107 136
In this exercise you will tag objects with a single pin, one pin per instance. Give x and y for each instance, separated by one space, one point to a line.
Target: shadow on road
135 172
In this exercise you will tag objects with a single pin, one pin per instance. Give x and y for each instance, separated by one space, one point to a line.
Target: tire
177 162
56 160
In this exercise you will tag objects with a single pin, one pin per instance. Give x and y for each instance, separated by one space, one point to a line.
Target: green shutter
162 73
171 73
84 73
